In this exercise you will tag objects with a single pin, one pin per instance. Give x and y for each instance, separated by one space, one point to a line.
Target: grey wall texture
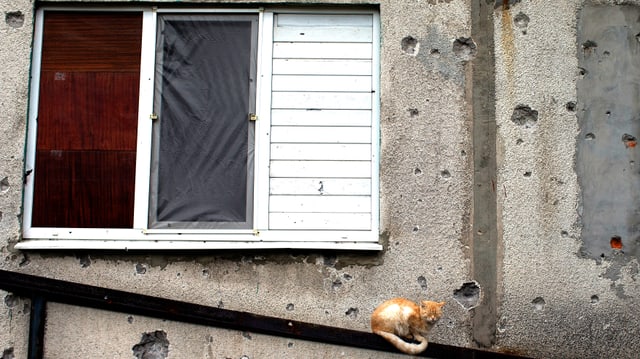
505 175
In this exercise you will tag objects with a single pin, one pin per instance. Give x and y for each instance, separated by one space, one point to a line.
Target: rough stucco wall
114 335
15 41
556 302
426 199
553 300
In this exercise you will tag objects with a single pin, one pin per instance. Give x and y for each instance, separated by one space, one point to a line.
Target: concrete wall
540 294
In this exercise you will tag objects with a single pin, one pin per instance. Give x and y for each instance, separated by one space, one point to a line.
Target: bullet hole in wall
8 353
330 260
423 282
245 335
416 228
468 295
14 19
410 45
527 174
152 346
538 303
141 268
352 312
336 284
445 174
465 48
435 52
11 300
85 260
588 46
571 106
417 172
130 319
524 115
413 112
519 141
616 242
564 234
521 20
629 141
4 185
582 71
290 307
594 299
25 260
590 136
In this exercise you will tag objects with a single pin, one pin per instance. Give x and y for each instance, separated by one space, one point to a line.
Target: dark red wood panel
84 189
99 41
88 110
87 120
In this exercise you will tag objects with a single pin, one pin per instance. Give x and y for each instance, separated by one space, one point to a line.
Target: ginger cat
400 318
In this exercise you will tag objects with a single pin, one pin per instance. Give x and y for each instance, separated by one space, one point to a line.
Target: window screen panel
202 165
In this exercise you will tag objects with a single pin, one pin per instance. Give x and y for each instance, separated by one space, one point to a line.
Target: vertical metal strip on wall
485 232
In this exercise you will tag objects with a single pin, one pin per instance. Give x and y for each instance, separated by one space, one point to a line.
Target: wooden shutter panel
87 120
321 117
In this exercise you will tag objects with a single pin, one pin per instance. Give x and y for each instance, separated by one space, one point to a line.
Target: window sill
126 245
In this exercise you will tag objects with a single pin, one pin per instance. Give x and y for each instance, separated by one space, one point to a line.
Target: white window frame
140 237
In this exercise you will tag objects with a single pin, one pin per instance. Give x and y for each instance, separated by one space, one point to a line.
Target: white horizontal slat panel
282 117
321 67
286 134
320 204
313 169
325 186
323 151
320 221
323 34
322 100
324 20
321 83
326 50
321 123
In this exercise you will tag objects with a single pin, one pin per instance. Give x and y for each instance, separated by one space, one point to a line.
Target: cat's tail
408 348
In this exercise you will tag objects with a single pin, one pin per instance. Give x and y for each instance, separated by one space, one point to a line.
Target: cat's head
431 311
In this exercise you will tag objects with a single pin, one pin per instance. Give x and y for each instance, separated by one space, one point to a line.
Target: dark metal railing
42 290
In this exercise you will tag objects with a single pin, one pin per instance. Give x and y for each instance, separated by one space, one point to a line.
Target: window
187 129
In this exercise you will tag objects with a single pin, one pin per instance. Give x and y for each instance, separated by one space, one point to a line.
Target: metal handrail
41 290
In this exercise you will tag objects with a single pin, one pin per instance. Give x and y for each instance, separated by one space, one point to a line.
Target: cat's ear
441 304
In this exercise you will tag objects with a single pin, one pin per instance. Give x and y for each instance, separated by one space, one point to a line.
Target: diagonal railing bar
52 290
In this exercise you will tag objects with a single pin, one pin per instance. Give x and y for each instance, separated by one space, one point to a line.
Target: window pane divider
263 125
145 111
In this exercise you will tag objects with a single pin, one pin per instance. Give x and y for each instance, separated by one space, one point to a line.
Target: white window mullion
263 124
145 119
33 121
375 125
